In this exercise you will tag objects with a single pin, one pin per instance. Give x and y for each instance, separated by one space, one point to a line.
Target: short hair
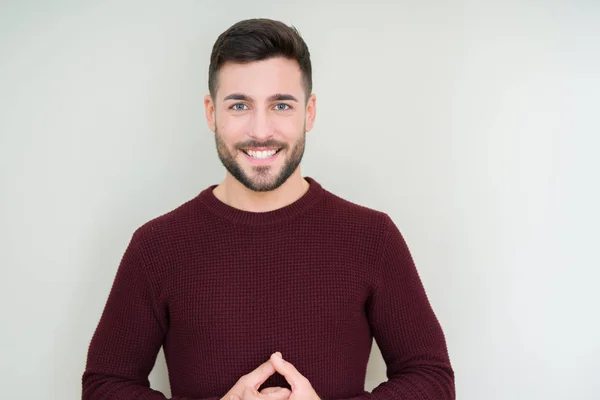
259 39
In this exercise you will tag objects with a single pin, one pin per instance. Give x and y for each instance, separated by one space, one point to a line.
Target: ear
209 109
311 112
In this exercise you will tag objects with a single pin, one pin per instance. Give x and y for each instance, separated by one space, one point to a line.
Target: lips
247 149
261 157
261 153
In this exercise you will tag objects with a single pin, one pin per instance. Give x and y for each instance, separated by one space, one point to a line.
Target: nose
260 126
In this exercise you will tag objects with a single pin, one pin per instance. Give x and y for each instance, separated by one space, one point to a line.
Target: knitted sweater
221 289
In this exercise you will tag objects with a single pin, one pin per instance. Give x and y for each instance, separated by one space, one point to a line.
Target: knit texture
221 289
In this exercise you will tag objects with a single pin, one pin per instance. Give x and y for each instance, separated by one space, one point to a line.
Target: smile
264 154
261 157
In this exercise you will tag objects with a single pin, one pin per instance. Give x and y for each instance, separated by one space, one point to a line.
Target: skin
246 113
246 388
262 104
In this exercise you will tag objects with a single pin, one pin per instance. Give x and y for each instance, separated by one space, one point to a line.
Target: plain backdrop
474 124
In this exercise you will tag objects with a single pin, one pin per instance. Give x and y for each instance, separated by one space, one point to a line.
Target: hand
301 387
270 393
277 393
247 385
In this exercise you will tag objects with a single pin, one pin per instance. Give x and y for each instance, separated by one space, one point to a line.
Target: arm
126 342
406 330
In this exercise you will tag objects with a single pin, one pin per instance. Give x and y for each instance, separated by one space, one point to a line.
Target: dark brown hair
259 39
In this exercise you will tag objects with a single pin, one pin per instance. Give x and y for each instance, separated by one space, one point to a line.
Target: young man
266 264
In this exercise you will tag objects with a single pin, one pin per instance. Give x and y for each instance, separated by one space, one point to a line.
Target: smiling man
260 138
266 285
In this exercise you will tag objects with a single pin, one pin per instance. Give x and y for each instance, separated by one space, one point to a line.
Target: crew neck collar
285 213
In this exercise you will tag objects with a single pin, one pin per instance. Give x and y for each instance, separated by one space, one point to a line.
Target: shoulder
171 223
366 219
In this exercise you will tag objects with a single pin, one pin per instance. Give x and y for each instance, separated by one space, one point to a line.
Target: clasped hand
246 388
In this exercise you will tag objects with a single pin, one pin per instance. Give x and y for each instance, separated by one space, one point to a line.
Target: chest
289 289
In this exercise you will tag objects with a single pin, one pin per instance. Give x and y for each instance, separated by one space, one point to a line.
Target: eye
235 107
282 107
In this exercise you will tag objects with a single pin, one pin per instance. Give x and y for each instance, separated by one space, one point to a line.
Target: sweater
221 289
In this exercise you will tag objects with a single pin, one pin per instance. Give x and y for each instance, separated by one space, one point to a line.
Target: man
266 264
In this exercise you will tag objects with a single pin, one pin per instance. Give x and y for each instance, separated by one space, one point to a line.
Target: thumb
270 390
276 393
289 372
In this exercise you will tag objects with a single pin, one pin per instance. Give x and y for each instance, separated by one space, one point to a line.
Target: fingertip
277 362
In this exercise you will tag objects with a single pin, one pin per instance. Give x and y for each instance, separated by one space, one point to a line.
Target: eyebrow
275 97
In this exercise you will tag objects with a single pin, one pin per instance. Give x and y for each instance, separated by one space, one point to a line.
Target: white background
474 124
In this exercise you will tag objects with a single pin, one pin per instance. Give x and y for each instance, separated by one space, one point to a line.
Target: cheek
232 127
289 126
239 126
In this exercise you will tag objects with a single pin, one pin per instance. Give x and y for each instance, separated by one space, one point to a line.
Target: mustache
268 143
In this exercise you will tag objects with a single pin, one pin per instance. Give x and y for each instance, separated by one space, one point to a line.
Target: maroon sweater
221 289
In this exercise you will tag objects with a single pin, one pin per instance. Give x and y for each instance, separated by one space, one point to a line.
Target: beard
264 178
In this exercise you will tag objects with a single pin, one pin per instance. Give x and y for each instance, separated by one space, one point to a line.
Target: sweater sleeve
406 330
127 340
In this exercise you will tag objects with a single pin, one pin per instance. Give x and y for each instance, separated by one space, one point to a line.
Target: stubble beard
263 178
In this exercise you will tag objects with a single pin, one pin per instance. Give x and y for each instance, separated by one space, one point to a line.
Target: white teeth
261 154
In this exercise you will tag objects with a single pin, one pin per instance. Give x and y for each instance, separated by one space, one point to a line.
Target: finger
289 372
252 394
270 389
259 375
282 394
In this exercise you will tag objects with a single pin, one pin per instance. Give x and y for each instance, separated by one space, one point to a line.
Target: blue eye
236 108
243 107
282 109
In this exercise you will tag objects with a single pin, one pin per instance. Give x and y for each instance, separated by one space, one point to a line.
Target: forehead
260 79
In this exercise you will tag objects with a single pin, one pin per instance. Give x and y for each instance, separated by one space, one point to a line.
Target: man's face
260 119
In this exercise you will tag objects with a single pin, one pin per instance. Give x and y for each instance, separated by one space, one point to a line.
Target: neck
231 192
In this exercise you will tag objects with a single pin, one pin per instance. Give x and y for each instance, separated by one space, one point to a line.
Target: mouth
261 157
261 154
